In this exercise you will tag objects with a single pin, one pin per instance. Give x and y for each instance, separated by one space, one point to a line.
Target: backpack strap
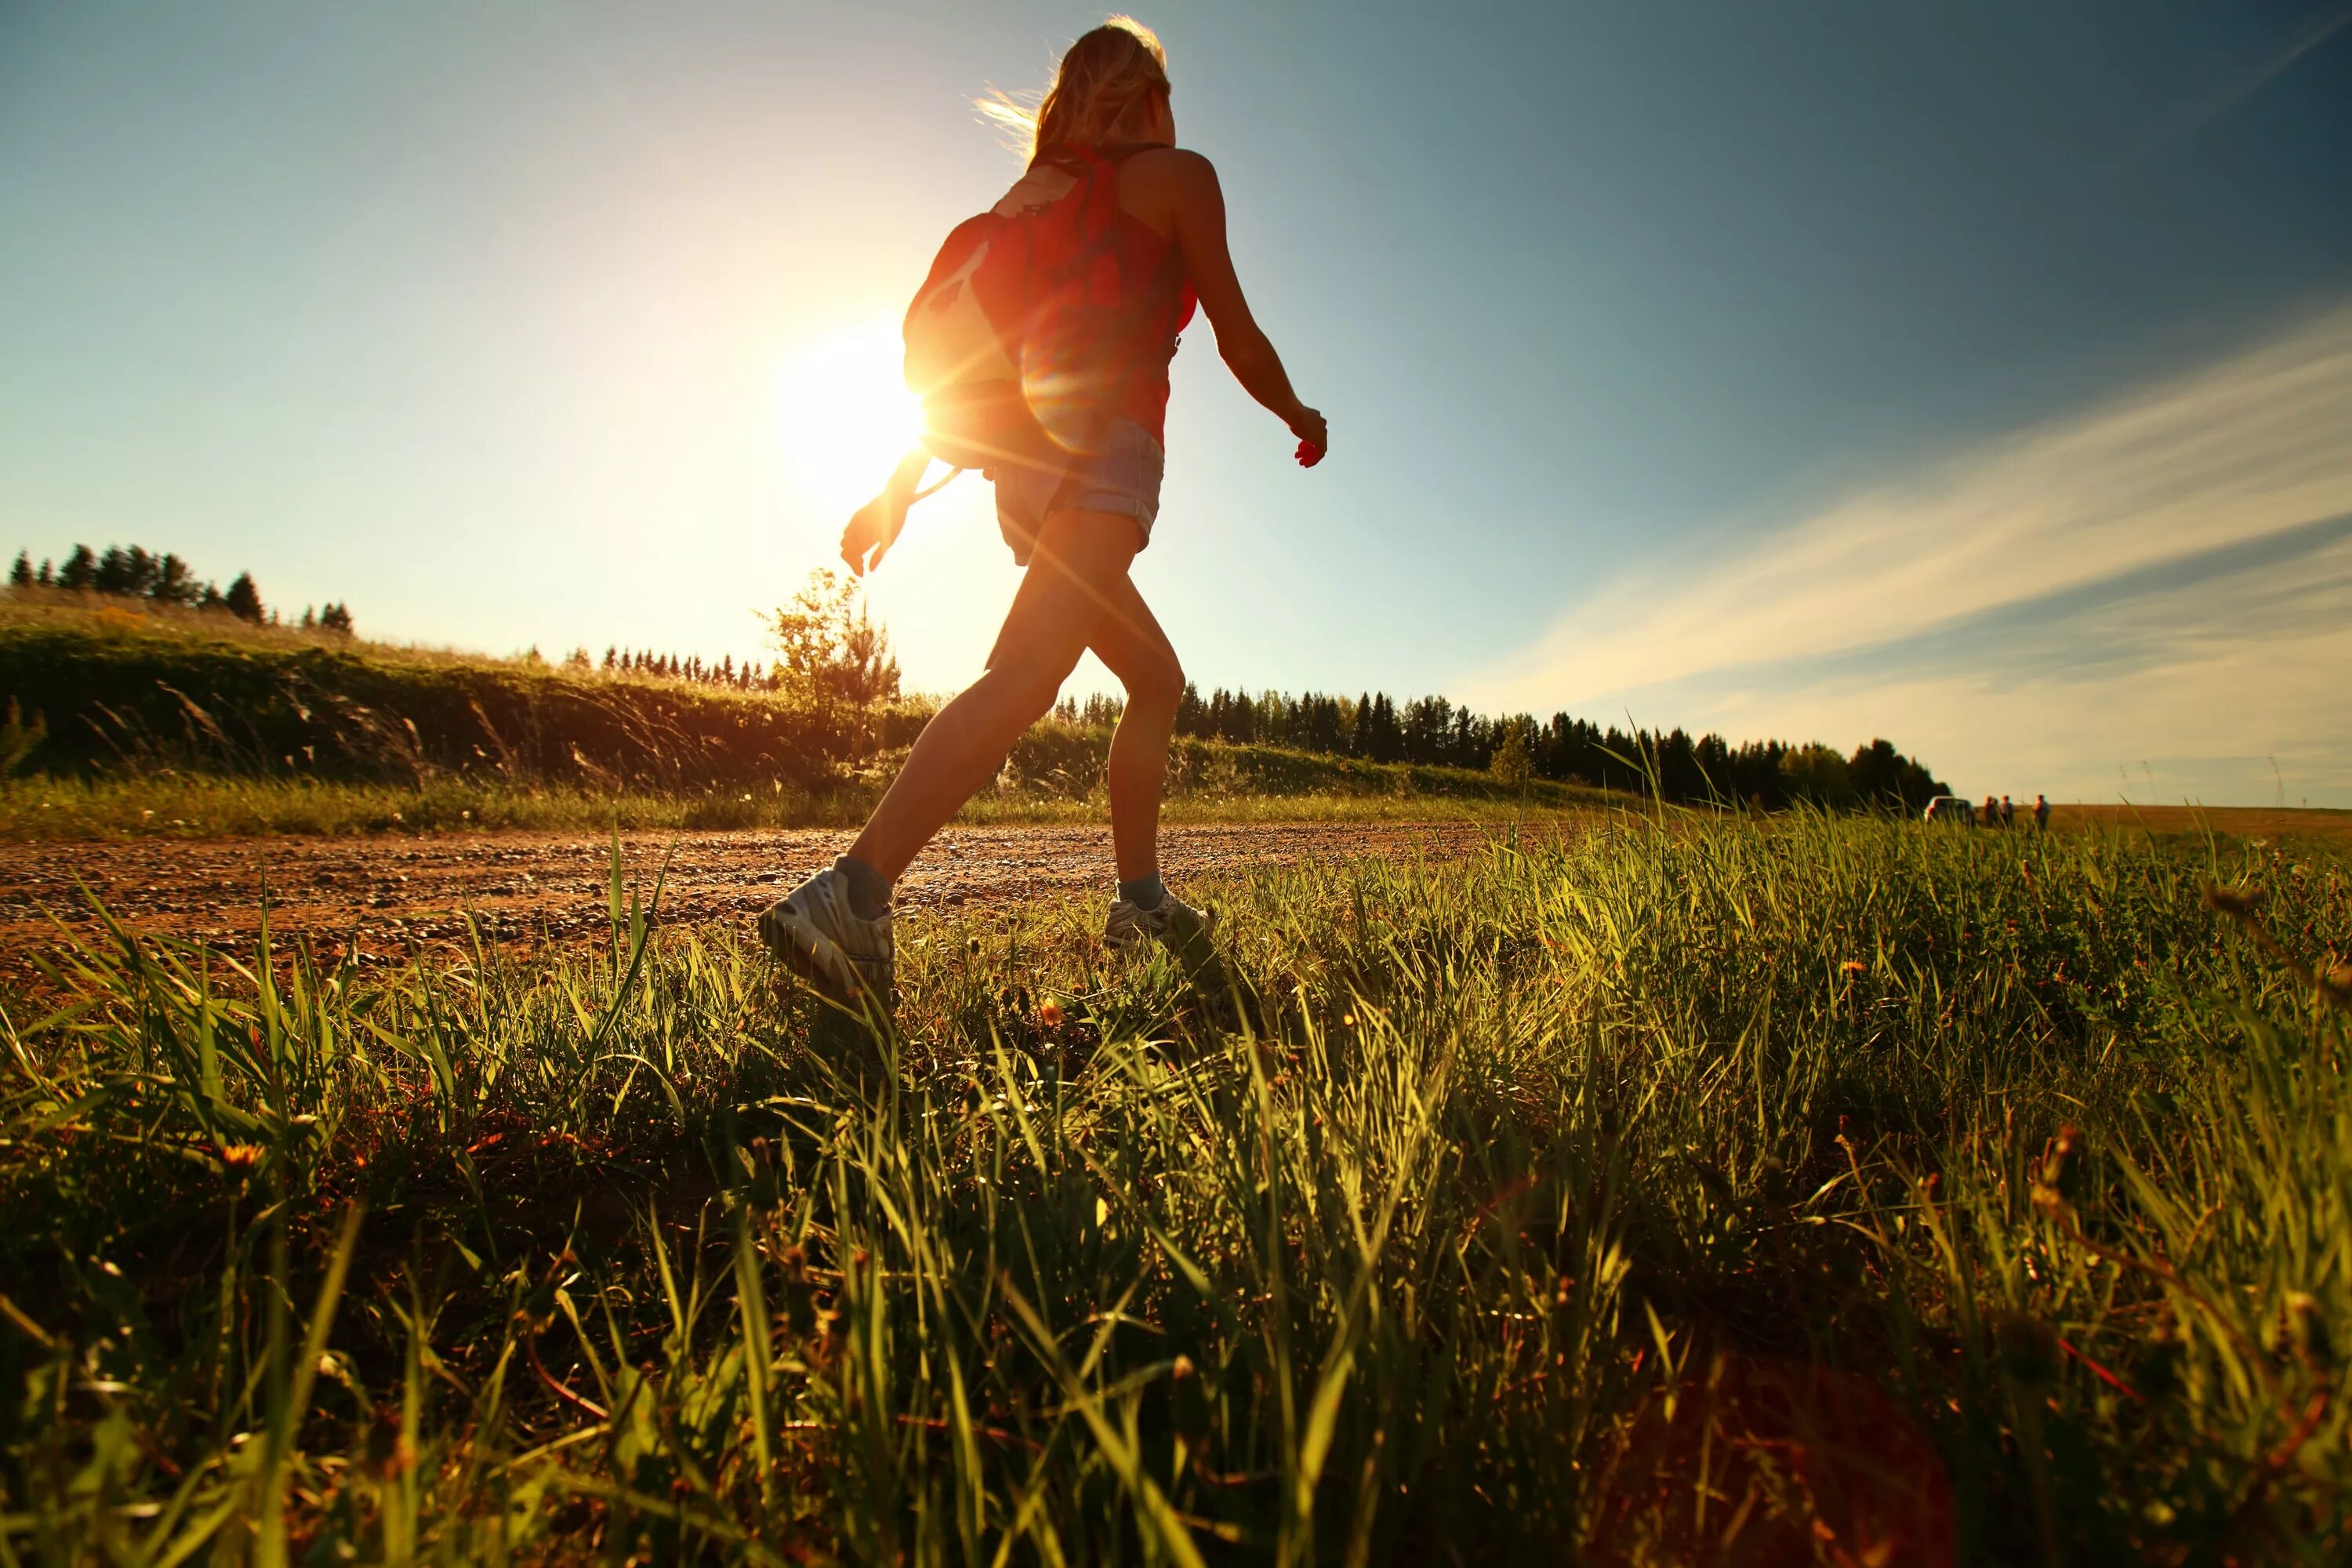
1096 173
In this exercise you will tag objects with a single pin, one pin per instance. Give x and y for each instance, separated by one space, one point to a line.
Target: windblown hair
1100 89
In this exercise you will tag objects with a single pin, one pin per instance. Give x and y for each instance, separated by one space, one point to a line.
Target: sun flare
844 413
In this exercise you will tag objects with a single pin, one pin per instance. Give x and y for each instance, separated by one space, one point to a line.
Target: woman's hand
1314 435
875 526
872 530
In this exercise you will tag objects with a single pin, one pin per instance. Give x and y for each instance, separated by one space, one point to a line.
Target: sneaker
1172 924
814 931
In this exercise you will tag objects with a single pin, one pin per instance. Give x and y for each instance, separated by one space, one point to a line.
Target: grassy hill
181 721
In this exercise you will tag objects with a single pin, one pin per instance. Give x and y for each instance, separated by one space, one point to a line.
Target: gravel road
385 895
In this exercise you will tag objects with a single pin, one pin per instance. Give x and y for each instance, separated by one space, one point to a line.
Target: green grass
1818 1190
185 723
1212 783
107 691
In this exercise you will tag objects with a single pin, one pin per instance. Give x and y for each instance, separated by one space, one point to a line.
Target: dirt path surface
385 895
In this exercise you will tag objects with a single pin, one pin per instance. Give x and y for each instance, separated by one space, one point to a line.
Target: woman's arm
1200 233
876 525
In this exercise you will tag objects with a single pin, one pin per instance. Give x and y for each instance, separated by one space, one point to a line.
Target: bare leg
1075 592
1130 643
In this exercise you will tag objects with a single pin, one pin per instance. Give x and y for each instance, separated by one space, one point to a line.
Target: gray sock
870 890
1147 893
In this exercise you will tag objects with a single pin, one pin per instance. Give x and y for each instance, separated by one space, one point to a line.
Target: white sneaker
814 931
1172 924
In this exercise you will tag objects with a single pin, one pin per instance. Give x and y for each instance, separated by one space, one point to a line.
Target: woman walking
1077 510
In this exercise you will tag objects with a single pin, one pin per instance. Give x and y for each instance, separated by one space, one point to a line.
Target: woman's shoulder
1174 164
1160 183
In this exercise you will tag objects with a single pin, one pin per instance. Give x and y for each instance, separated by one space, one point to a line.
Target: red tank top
1164 306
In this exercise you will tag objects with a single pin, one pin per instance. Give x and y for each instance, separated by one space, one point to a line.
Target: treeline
828 647
1434 732
131 572
745 677
838 662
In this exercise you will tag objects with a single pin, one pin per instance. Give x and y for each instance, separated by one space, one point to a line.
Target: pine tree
336 618
243 599
48 576
80 570
114 573
175 583
20 575
1191 713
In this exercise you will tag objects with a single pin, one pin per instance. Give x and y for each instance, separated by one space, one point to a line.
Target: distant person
1989 814
1076 456
2040 814
2007 812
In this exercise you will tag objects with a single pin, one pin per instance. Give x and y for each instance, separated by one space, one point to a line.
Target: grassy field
1212 783
2271 825
1811 1191
127 693
161 721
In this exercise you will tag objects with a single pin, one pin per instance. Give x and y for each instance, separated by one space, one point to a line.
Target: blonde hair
1102 84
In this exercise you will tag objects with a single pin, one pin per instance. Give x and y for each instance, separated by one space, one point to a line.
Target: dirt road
383 894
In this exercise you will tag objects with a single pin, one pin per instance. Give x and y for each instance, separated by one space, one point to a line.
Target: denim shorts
1121 476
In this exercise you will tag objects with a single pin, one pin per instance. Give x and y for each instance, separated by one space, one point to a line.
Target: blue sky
1976 377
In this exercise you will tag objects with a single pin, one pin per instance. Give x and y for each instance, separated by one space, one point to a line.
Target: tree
130 572
336 618
1816 773
833 651
1510 765
175 583
20 575
1191 713
115 573
80 570
831 648
1885 778
1378 734
242 600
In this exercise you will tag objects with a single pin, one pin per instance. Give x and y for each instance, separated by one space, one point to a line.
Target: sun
844 414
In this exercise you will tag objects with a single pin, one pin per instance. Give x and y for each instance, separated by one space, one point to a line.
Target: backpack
1027 319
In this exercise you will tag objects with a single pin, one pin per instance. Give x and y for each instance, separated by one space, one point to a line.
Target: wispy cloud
2233 91
2188 540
